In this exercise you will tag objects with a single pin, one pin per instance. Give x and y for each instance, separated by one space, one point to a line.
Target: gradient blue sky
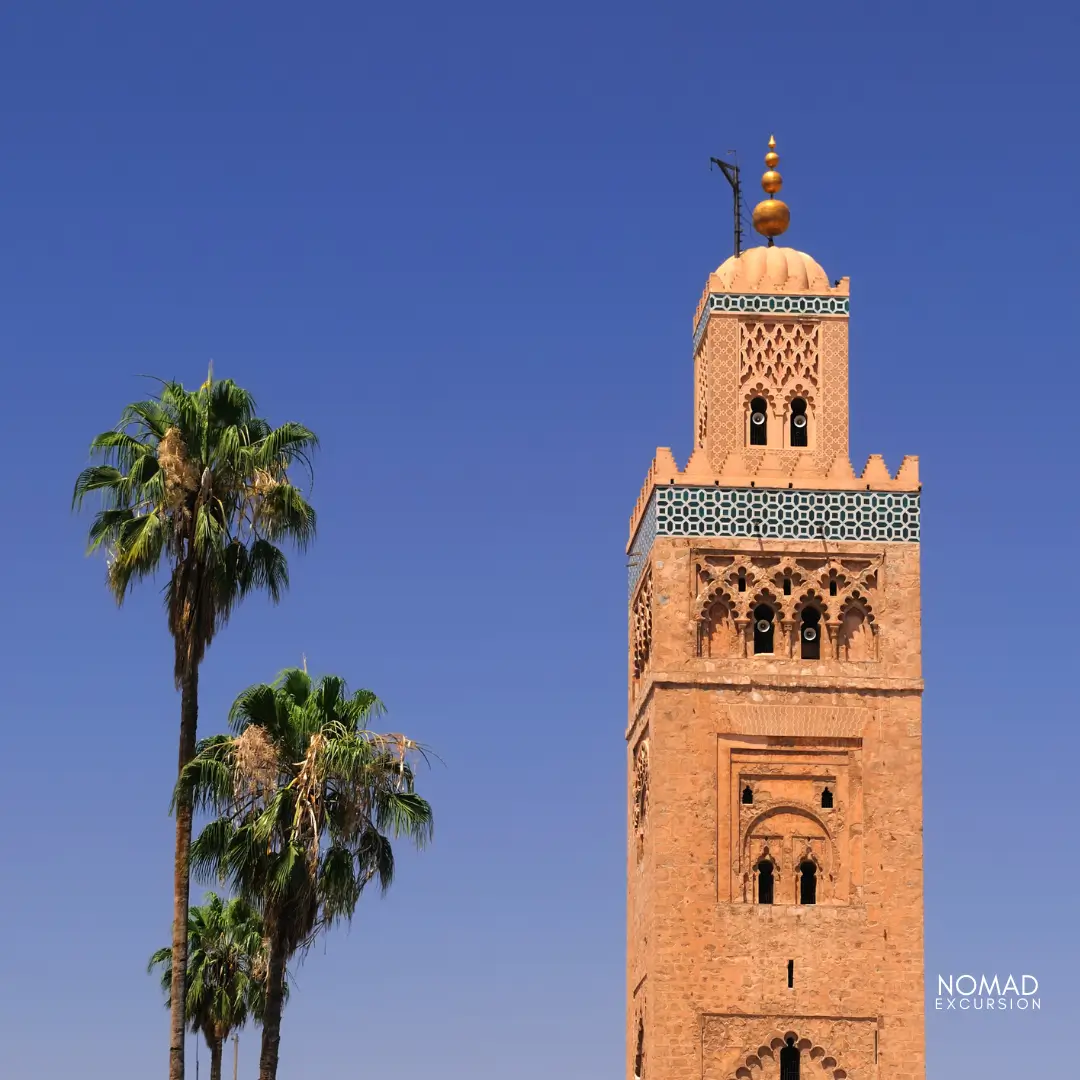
464 243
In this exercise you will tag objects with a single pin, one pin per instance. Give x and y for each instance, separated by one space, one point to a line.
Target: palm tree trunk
215 1060
189 716
275 1000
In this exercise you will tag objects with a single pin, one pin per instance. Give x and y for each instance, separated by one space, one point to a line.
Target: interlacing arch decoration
640 811
765 1060
838 588
641 625
779 353
799 390
759 390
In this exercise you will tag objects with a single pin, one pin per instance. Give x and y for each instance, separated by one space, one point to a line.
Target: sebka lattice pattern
883 516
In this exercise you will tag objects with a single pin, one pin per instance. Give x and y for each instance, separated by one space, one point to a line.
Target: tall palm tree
226 976
195 483
308 800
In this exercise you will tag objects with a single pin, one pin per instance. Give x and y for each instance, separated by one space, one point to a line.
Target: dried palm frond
181 474
256 763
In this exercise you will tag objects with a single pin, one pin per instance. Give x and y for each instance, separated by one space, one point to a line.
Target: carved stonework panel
748 1047
640 809
846 590
641 626
794 810
719 363
779 355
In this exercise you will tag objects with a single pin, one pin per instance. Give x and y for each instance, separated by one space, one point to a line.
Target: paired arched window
759 422
764 629
810 634
765 882
799 427
789 1061
807 882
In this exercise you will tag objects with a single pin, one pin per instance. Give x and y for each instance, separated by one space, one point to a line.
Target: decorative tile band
769 305
774 514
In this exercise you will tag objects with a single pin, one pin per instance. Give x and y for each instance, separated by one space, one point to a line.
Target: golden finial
771 216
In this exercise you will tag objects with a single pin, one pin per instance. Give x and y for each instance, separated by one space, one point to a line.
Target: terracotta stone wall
708 976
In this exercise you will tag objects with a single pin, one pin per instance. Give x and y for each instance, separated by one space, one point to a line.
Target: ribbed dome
771 269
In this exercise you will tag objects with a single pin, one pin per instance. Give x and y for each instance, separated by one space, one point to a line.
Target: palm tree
196 483
308 799
226 975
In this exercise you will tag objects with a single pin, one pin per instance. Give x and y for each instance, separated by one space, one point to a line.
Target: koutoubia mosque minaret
775 875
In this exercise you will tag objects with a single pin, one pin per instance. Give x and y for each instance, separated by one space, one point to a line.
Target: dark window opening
759 423
799 426
810 634
747 796
832 586
791 974
807 883
763 629
789 1061
764 882
787 585
639 1056
826 799
742 581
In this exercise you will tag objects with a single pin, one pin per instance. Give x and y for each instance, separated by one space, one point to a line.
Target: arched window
747 796
759 422
826 799
789 1061
763 629
807 882
810 634
765 882
718 634
799 426
856 637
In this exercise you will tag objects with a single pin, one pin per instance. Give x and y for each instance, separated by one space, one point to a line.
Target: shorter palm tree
226 975
309 799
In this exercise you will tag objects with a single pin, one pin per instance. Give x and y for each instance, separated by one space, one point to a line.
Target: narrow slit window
742 581
791 974
807 883
832 586
799 426
765 882
787 584
759 422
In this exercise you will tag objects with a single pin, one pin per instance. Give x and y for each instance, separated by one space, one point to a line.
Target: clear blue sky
464 243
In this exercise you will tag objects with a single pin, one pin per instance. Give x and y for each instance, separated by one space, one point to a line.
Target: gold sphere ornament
771 216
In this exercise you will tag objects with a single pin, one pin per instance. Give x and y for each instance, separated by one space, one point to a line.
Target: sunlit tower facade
775 884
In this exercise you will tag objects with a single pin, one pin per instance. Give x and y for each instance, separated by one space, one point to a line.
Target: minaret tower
775 887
